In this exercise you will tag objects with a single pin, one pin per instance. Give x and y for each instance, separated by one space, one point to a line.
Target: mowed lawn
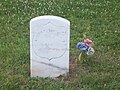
98 19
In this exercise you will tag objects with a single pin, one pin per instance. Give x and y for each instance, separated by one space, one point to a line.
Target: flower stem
80 56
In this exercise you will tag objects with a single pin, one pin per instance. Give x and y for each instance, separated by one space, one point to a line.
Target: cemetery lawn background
99 19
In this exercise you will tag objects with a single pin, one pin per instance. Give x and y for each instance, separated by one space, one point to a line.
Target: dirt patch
73 69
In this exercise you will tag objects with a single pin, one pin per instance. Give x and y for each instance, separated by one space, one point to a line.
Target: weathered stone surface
49 46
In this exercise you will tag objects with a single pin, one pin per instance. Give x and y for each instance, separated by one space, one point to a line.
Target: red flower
88 42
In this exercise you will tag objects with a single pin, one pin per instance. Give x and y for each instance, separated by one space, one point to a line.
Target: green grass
99 19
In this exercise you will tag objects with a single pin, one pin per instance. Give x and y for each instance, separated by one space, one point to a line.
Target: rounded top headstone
50 17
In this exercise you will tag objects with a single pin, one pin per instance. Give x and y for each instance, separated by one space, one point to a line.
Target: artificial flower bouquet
86 46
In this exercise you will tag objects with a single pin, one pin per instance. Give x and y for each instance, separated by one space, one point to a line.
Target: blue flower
82 46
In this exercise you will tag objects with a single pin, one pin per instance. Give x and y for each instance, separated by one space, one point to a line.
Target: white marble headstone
49 46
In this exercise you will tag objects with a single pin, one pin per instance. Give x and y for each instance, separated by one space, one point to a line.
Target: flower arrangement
85 46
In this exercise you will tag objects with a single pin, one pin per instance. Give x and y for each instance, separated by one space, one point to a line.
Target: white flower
90 51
